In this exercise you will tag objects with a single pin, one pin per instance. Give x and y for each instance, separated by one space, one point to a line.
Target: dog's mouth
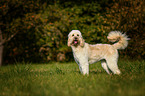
75 42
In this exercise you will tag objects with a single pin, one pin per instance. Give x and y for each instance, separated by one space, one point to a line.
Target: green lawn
64 79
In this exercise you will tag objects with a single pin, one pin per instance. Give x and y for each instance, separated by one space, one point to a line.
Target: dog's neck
77 48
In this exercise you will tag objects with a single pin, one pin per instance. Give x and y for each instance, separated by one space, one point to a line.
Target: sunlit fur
85 54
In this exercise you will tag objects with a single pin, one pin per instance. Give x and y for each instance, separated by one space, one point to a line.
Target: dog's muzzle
75 41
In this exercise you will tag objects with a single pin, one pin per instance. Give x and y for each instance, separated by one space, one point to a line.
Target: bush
43 30
59 21
128 16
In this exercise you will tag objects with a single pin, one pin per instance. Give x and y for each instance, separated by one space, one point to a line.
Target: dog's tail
122 39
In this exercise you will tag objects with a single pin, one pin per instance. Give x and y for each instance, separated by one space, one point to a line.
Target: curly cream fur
121 38
85 54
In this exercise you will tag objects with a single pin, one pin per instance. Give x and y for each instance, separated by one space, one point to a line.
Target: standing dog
85 54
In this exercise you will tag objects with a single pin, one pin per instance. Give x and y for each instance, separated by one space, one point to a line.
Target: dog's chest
79 53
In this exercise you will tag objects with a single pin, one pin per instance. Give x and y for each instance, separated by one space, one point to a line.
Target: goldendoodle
85 54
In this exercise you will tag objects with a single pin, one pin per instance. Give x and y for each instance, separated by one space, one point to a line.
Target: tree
12 14
4 40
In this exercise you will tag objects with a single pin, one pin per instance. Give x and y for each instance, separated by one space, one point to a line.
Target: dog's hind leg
112 64
104 65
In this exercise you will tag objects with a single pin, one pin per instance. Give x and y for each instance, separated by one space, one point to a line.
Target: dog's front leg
79 65
84 67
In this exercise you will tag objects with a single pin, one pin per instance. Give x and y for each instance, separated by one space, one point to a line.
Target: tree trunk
1 54
1 47
2 42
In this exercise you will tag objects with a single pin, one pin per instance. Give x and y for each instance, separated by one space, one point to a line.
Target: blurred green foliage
43 26
59 21
129 16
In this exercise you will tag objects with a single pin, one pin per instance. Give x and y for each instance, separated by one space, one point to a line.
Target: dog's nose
76 38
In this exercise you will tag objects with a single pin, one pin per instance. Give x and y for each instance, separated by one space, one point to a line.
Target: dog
85 54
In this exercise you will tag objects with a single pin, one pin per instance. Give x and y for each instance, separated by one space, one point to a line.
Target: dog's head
75 38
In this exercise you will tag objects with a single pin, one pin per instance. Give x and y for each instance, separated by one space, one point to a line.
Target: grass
64 79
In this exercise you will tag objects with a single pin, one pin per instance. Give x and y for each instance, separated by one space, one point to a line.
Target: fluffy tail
122 39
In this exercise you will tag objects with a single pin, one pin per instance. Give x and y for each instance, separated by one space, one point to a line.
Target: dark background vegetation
39 28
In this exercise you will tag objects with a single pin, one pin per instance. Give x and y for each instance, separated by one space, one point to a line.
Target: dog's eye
73 35
77 34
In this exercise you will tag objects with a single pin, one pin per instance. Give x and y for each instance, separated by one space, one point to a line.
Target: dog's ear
82 42
68 42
